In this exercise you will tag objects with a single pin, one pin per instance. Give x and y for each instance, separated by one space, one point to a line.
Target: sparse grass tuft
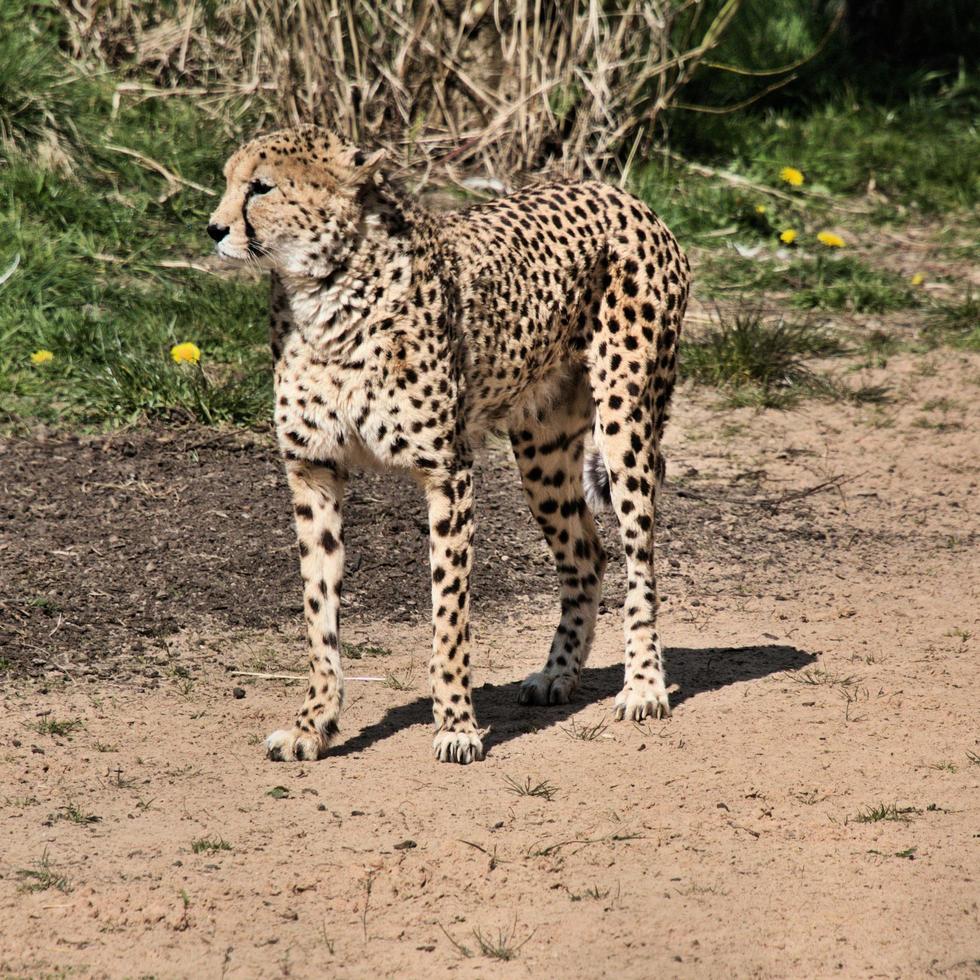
501 946
209 845
594 892
886 811
543 789
404 681
818 676
586 733
358 651
956 323
42 876
60 729
73 813
758 360
878 346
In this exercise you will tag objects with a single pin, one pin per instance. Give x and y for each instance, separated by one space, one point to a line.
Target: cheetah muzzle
400 337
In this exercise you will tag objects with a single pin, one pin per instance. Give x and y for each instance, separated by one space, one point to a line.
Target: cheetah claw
461 747
283 746
651 701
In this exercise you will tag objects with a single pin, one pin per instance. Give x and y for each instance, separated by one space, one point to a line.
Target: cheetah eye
258 186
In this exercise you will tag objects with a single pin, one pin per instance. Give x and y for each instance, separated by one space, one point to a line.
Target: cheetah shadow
695 671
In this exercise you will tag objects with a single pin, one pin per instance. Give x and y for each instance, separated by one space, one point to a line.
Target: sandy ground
821 620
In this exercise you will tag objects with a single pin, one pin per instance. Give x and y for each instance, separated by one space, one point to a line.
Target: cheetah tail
595 480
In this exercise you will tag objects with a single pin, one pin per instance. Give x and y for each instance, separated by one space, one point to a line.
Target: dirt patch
810 810
110 544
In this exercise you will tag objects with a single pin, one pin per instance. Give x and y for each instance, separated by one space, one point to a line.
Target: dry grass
446 86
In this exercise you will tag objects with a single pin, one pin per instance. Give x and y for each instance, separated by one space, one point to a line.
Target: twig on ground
10 270
295 677
157 263
800 199
773 502
175 180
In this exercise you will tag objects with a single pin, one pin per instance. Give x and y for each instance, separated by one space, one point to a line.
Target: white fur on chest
319 406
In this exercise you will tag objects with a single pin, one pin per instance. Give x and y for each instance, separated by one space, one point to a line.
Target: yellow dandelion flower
41 357
792 176
788 236
918 279
760 209
829 239
185 353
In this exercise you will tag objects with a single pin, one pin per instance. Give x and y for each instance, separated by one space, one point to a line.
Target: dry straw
446 85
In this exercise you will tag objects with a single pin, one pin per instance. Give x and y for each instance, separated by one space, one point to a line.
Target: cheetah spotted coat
400 336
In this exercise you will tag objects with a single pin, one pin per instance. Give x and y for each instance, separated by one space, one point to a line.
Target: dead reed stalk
446 85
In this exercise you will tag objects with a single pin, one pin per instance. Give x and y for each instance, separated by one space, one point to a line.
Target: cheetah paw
650 700
283 746
545 688
461 747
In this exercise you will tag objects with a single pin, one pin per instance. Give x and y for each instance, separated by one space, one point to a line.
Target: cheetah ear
361 165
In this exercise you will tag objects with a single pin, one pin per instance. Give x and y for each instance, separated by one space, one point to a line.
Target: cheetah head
293 201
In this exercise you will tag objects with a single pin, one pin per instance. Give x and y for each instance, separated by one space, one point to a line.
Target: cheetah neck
330 310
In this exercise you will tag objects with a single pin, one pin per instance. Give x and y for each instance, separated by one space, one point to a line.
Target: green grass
886 811
836 282
61 729
758 360
74 814
110 324
210 845
42 875
89 227
915 155
543 789
358 651
956 322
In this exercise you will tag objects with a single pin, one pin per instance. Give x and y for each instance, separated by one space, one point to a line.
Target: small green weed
586 733
278 792
60 729
358 651
74 814
501 945
400 682
42 876
908 853
956 323
817 677
543 789
209 845
886 811
594 892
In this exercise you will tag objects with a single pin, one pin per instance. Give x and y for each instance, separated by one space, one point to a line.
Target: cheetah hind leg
549 455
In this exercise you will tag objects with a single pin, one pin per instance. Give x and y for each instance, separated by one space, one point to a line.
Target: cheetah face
293 202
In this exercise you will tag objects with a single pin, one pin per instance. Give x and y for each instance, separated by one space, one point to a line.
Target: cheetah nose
217 232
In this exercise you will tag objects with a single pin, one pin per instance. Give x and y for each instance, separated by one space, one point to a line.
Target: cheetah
400 336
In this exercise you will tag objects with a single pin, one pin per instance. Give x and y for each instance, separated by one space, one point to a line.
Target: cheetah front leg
317 499
450 499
